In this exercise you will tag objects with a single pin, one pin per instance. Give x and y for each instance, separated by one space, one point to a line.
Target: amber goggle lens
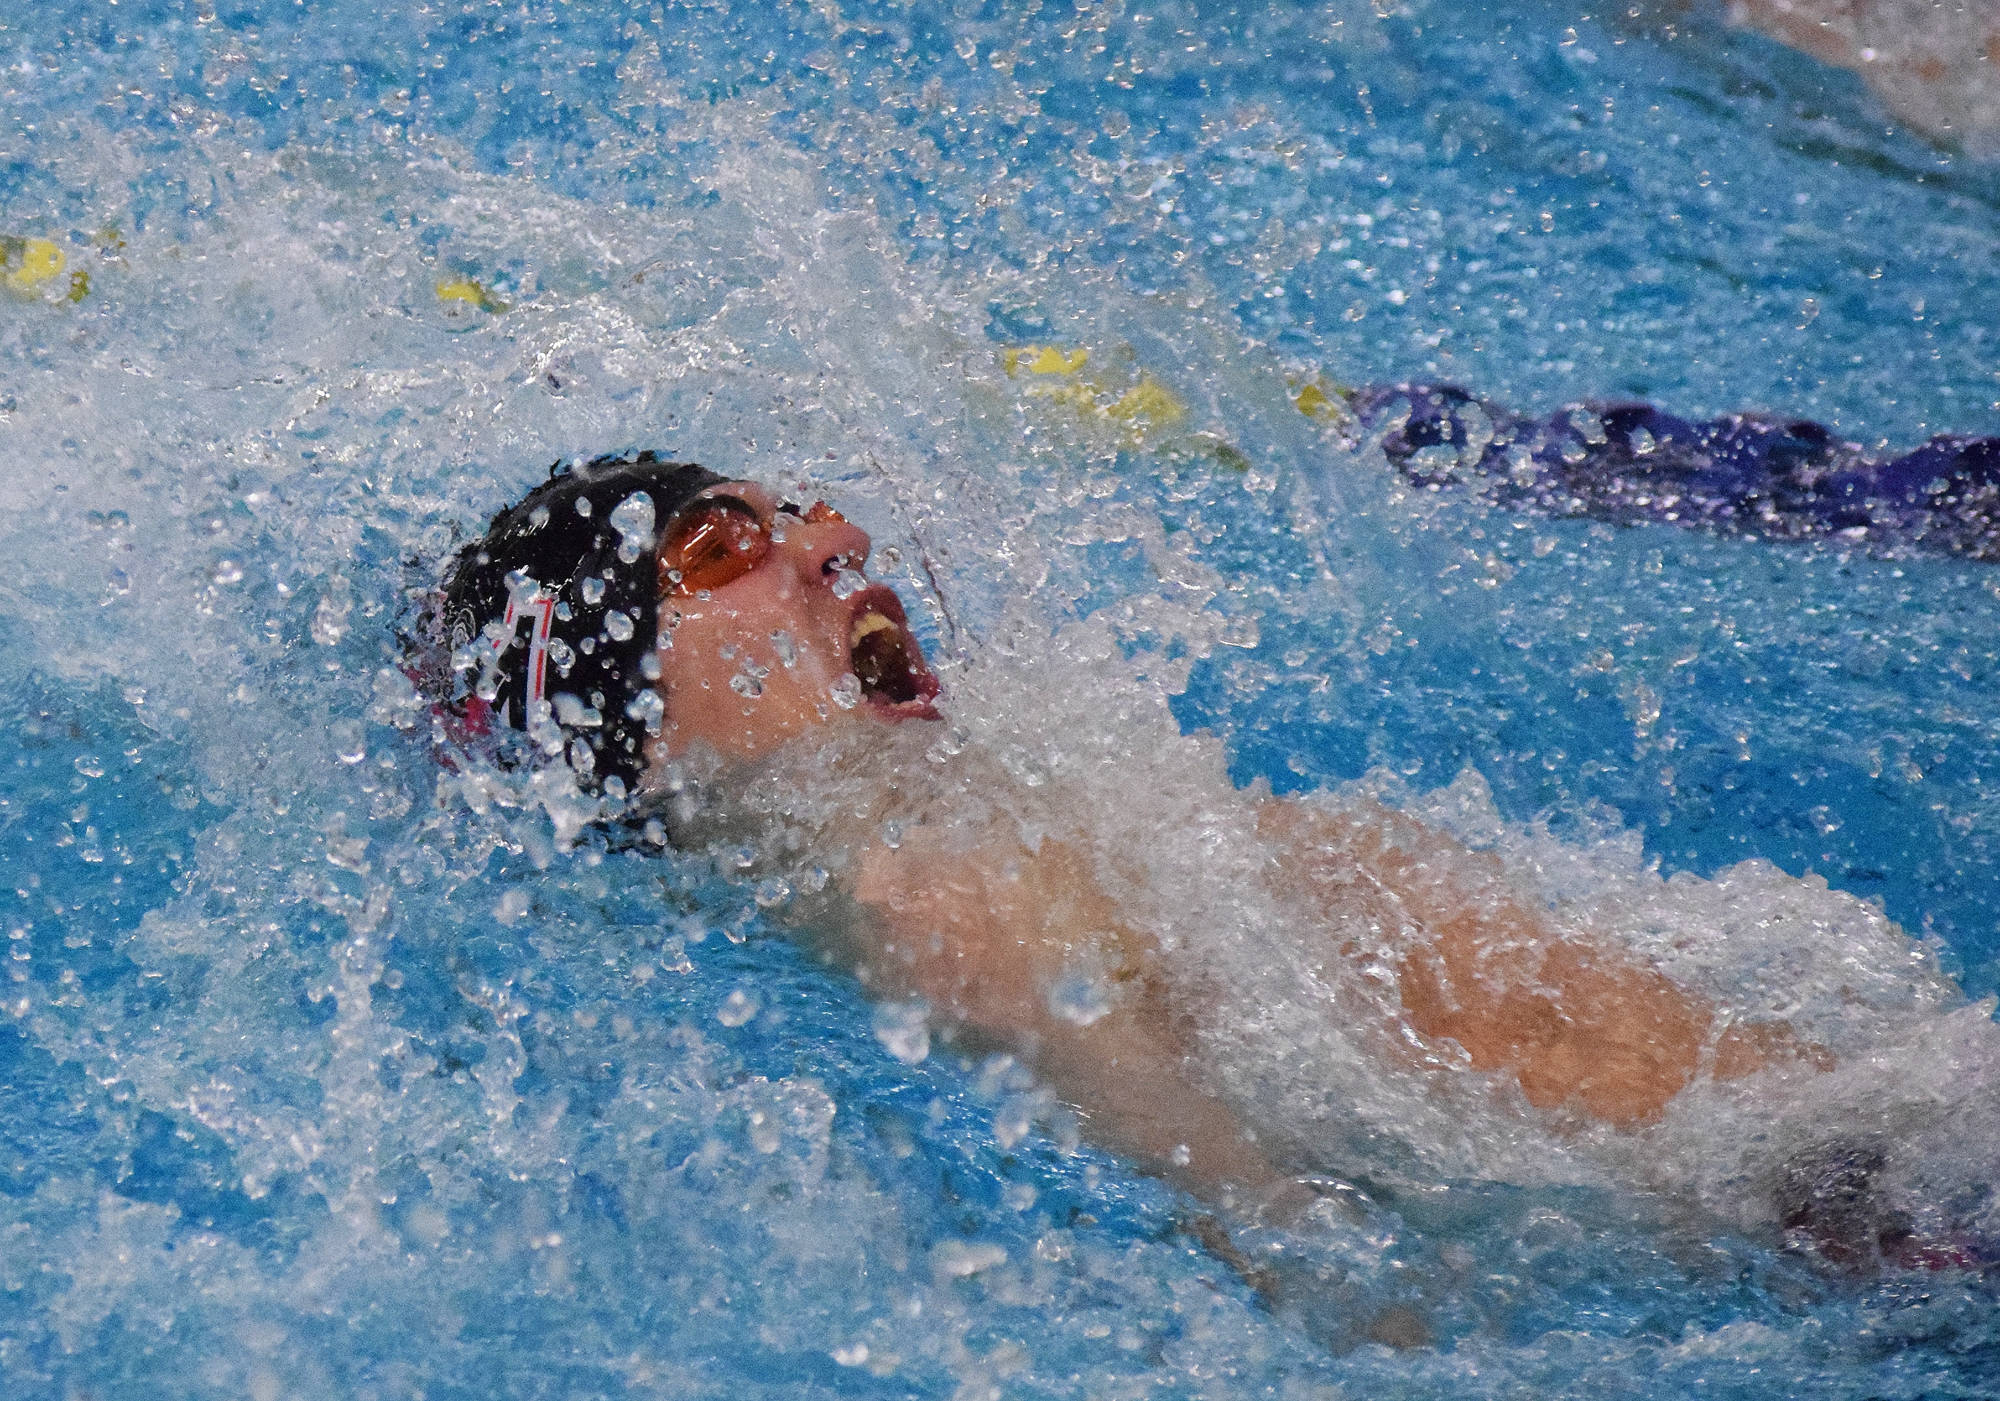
710 545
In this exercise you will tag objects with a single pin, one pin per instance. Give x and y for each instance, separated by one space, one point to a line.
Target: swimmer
692 649
1743 474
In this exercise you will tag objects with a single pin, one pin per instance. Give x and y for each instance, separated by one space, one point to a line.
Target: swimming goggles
718 539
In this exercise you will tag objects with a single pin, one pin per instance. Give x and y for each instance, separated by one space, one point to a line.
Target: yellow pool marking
1323 400
27 263
1147 401
1042 360
1150 401
1141 409
1147 413
464 291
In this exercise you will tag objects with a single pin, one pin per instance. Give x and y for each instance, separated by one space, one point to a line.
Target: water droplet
511 907
959 1259
329 622
951 743
225 572
849 582
846 692
633 519
904 1030
787 650
618 623
1015 1118
737 1008
746 685
89 765
1079 999
647 709
348 743
591 590
575 714
1587 423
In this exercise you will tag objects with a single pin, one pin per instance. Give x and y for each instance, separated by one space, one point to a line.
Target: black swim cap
556 610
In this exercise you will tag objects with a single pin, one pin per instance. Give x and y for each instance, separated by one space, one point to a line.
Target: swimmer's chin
843 739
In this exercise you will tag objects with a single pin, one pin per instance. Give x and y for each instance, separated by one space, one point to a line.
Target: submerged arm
1581 1024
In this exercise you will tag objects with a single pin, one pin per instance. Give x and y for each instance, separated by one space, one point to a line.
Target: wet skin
981 928
746 667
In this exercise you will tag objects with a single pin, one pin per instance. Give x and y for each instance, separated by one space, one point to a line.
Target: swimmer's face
787 642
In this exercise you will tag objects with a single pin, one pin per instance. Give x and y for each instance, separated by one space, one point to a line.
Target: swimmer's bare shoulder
984 928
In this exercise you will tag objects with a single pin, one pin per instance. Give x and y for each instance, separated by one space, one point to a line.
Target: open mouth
886 660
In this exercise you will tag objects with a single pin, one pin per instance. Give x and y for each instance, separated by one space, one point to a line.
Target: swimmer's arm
1581 1024
983 931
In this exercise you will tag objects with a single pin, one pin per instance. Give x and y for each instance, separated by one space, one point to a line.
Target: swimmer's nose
820 549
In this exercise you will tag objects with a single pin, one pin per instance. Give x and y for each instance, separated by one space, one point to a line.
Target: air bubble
329 624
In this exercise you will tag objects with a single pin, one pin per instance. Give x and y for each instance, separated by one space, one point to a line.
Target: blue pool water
324 1075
